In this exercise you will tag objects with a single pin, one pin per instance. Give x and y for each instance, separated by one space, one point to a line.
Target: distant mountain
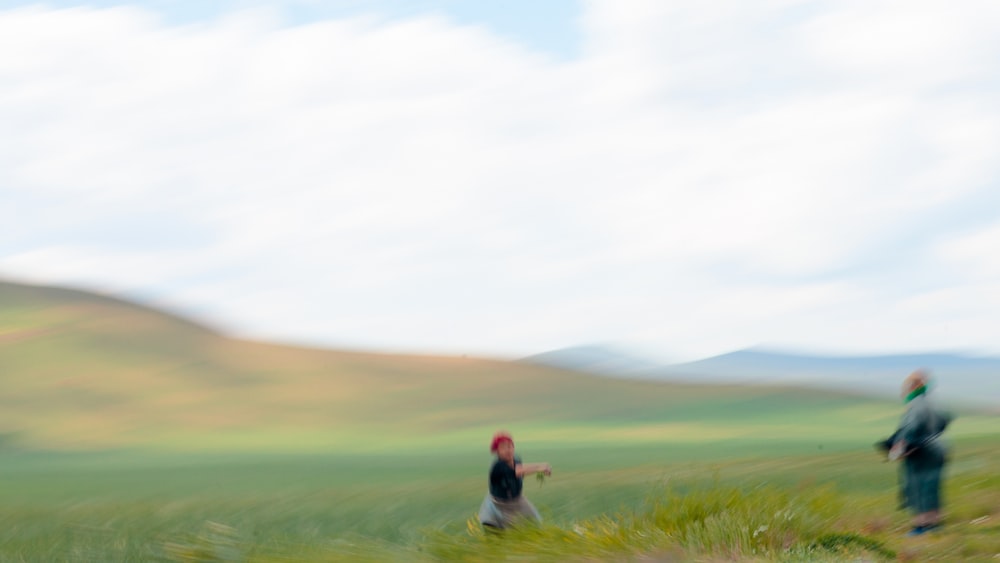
964 378
599 360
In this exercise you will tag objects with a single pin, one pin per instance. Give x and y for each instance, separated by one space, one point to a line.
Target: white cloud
973 254
704 178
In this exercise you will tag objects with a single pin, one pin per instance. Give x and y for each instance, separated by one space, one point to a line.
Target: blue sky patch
549 27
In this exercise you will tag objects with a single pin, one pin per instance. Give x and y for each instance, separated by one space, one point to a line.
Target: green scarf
915 393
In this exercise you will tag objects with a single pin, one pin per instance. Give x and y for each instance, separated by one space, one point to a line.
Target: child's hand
897 451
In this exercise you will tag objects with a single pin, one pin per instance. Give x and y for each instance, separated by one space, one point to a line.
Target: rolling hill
85 371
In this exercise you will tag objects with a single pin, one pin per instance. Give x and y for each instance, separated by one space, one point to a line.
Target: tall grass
709 520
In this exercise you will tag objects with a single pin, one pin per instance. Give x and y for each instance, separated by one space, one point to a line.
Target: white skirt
504 513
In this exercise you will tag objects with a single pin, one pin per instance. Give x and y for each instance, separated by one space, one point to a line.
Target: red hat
500 437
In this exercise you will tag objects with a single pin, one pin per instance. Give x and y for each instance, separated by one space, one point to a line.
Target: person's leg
527 510
932 503
927 499
490 514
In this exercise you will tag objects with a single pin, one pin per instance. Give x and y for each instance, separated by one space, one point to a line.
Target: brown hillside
81 370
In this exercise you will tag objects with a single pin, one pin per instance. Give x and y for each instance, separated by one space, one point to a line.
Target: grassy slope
81 371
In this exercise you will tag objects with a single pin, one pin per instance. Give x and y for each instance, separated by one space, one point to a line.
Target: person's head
503 446
915 381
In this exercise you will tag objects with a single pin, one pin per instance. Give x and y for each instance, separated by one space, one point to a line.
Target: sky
507 178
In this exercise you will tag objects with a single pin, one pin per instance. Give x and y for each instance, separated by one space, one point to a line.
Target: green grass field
618 503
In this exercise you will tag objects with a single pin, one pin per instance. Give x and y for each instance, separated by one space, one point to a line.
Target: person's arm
886 445
898 450
523 469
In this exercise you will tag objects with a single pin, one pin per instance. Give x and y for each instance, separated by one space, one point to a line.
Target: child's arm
523 469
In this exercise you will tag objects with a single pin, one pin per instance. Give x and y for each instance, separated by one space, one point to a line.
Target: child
504 504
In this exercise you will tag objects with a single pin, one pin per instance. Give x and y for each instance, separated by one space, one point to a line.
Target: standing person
504 504
918 444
